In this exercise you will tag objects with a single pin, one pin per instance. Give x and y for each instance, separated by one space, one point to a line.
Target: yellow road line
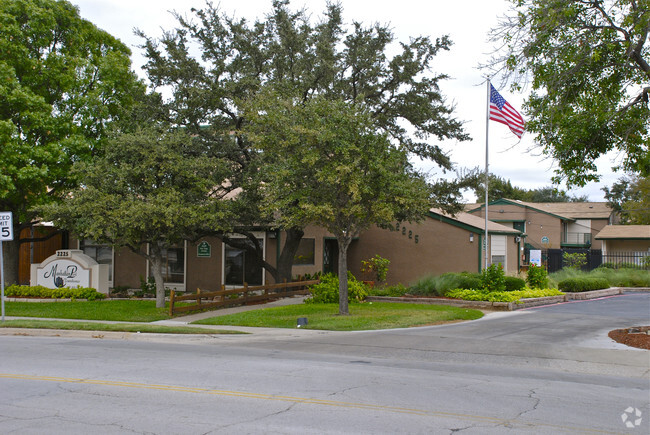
312 401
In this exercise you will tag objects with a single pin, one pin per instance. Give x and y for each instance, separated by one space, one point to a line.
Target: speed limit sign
6 226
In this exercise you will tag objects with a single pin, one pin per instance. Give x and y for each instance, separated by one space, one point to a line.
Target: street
543 370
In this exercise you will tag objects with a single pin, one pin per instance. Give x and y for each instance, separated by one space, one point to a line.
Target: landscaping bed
500 306
638 336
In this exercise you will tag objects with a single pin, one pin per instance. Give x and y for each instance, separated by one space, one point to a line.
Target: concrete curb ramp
507 306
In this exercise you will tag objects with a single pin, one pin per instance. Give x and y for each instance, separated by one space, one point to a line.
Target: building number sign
406 232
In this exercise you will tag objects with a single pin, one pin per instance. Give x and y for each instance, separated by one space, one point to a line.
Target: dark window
241 267
305 252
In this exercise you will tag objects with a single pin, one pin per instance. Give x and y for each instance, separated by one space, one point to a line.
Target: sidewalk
184 320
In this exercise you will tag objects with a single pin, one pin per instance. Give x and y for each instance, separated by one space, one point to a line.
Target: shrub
438 285
393 291
493 279
537 277
513 283
583 284
513 296
39 291
377 266
612 265
327 290
574 261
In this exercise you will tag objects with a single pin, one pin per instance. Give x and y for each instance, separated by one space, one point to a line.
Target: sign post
6 233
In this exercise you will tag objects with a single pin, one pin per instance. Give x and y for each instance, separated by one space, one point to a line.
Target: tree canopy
499 188
154 188
326 164
587 64
290 56
62 82
630 198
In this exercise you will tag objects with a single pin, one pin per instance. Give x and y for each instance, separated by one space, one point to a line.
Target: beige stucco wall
596 226
537 224
613 246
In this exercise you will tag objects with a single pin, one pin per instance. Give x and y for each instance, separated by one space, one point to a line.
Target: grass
366 316
615 277
112 327
124 311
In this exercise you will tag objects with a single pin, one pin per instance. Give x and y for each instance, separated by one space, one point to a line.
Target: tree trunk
10 250
156 259
344 243
285 262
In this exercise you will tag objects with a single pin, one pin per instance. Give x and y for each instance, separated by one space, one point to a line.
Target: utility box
70 268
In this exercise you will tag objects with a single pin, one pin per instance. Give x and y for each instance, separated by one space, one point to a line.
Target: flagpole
487 124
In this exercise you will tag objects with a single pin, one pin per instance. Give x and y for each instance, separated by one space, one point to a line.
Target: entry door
330 256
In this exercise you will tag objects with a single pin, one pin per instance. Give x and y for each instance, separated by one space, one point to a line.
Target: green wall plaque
204 250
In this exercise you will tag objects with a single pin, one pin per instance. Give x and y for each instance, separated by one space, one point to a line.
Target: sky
467 22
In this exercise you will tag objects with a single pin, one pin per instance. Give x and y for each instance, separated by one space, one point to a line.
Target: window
102 254
498 245
240 267
173 265
521 226
305 252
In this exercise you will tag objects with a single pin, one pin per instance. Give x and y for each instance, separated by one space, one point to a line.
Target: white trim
498 247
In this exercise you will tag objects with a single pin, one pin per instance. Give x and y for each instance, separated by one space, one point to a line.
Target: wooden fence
238 296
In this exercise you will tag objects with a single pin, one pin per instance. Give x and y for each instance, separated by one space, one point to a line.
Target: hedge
583 284
38 291
513 283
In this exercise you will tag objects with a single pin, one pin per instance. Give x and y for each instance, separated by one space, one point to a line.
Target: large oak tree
149 191
62 82
326 164
299 60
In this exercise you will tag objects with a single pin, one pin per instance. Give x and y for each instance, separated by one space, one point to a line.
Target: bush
574 261
38 291
513 296
438 285
493 279
537 277
616 278
327 290
582 284
376 266
612 265
513 283
392 291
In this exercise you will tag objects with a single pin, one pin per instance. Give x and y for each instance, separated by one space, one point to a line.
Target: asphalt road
544 370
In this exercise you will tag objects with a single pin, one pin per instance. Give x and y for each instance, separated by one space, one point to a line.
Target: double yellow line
306 400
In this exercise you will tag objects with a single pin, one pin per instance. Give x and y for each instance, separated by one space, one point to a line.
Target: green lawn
366 316
125 311
112 327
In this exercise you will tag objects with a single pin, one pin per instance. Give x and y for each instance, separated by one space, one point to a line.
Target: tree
149 190
62 82
638 208
299 61
630 198
325 163
587 64
499 188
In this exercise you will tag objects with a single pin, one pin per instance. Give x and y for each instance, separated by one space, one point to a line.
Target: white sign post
6 233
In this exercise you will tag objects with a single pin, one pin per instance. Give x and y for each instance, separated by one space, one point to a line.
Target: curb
504 306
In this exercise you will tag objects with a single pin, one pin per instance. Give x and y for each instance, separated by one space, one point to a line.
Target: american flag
501 111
